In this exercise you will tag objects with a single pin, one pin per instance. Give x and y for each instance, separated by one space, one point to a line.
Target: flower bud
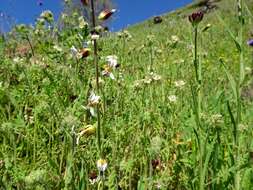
106 14
196 17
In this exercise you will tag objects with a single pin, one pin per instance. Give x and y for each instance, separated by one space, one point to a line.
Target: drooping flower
93 177
112 61
196 17
93 101
105 14
86 131
107 71
85 52
102 165
85 2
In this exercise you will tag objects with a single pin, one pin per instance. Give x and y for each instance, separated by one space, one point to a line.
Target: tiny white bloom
172 98
155 77
174 39
179 83
73 51
94 36
17 59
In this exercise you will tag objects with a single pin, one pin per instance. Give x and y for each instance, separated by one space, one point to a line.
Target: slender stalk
151 58
30 44
239 84
197 68
196 93
196 52
97 76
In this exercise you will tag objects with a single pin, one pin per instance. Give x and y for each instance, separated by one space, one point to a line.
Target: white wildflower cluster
82 22
149 79
47 16
124 34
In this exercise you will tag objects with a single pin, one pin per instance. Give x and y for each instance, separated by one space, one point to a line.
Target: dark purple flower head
250 42
196 17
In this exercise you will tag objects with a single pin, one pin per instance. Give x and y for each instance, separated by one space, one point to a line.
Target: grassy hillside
161 128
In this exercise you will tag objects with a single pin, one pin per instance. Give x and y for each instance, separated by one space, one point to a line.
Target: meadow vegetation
162 109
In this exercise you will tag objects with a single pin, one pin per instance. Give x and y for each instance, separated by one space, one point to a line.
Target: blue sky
25 11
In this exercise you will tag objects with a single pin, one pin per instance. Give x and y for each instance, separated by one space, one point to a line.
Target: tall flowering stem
195 19
93 16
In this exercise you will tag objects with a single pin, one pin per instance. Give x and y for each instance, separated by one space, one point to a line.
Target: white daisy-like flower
102 165
172 98
179 83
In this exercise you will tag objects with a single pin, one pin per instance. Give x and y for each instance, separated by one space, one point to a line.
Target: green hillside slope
172 114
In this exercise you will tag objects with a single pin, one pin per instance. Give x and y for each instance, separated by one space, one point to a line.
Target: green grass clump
152 137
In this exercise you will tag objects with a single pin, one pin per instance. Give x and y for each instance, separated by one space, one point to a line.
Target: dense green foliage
151 137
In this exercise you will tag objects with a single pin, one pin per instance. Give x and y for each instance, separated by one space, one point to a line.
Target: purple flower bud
196 17
250 42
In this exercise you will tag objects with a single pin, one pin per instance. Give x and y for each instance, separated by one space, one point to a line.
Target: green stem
97 77
196 53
